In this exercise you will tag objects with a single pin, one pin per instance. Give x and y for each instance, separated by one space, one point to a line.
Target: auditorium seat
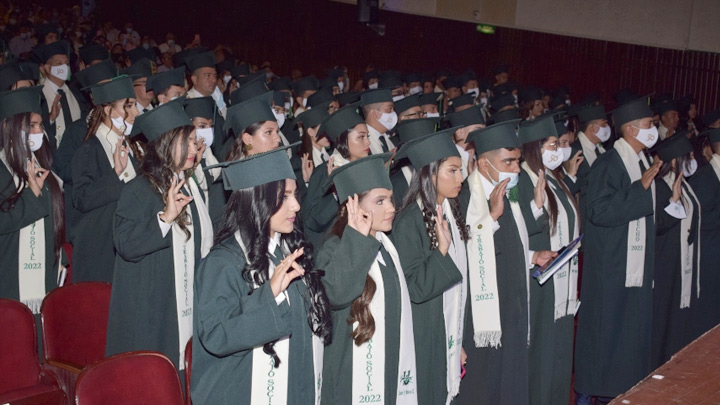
74 324
188 369
24 380
133 377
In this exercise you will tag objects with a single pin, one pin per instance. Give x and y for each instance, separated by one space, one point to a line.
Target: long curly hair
97 116
249 211
423 187
17 153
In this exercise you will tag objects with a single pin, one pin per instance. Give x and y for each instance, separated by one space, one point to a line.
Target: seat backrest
133 377
188 370
19 364
74 323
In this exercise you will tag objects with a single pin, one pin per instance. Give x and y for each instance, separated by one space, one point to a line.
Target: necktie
383 143
65 108
145 110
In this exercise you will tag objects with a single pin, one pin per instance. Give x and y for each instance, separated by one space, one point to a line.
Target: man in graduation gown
612 348
380 117
203 77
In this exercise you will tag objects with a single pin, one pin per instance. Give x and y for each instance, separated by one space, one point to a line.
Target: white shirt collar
274 243
53 86
487 186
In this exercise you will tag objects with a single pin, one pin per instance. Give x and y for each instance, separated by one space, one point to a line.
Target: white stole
368 366
184 271
206 228
108 139
588 148
635 262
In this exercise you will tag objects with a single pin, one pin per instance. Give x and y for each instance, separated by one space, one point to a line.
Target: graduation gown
230 320
319 208
95 190
428 274
143 309
706 185
347 262
62 166
500 375
672 326
612 348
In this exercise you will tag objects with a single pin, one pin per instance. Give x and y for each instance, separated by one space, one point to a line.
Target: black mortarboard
465 99
23 100
560 127
376 96
118 88
360 176
142 68
321 96
242 115
45 52
390 80
429 148
501 69
340 121
712 133
242 69
304 84
710 117
247 91
9 75
506 115
139 53
501 101
591 113
407 103
200 107
429 98
673 147
180 57
665 106
469 116
281 83
328 83
200 60
225 66
494 137
501 89
41 31
314 116
336 73
530 93
373 74
160 120
93 51
163 80
467 76
256 170
450 82
97 73
413 77
537 129
631 111
623 96
279 98
348 98
408 130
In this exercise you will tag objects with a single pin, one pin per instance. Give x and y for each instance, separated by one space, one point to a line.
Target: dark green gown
95 190
428 274
551 341
62 166
672 326
612 348
500 375
706 185
347 262
319 208
230 320
143 309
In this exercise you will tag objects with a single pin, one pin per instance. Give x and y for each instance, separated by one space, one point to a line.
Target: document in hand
564 255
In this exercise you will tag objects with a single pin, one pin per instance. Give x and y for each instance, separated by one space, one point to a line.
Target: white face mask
603 133
647 137
415 90
206 134
566 153
304 102
475 91
690 167
432 115
514 177
62 72
552 158
341 86
35 141
483 100
398 98
389 120
373 86
567 101
280 118
515 97
226 79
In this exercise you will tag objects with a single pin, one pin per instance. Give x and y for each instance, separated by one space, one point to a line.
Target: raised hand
285 272
120 156
36 177
358 219
176 201
649 175
497 202
540 190
575 162
331 165
307 167
201 151
543 257
442 230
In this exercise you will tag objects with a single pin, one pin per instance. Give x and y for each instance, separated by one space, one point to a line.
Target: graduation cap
314 116
118 88
666 106
200 60
23 100
242 69
529 94
469 116
139 53
376 96
9 75
390 80
225 66
412 129
154 123
414 78
506 115
631 110
443 73
93 51
340 121
304 84
429 148
321 96
163 80
250 90
467 76
591 113
142 68
360 176
429 98
328 83
281 83
501 101
450 82
180 57
31 70
373 74
407 103
242 115
537 129
42 30
336 73
200 107
45 52
501 69
501 89
348 98
560 127
256 170
97 73
259 75
494 137
710 117
465 99
624 95
713 134
673 147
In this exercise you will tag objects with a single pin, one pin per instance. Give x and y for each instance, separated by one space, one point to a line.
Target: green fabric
610 364
469 116
154 123
203 107
673 147
163 80
494 137
144 68
537 129
506 115
240 116
93 51
376 96
200 60
340 121
23 100
319 207
411 129
256 170
407 103
116 89
631 111
429 148
249 91
96 73
314 116
591 113
361 175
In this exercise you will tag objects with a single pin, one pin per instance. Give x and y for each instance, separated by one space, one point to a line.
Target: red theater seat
133 377
188 369
23 380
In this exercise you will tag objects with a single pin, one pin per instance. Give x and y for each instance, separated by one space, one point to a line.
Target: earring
248 147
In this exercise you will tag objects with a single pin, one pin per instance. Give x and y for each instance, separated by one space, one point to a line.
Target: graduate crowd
387 239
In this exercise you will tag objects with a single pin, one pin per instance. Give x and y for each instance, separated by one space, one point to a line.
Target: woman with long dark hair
348 134
552 221
313 145
161 230
372 356
255 126
31 202
103 164
261 312
435 262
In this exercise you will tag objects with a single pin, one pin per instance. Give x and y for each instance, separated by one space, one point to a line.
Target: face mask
515 97
206 134
603 133
268 75
226 79
690 168
475 91
146 45
566 153
398 98
648 137
35 141
304 102
415 90
389 120
514 177
288 105
170 42
483 100
341 86
373 86
121 124
432 115
567 101
552 158
280 118
62 72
